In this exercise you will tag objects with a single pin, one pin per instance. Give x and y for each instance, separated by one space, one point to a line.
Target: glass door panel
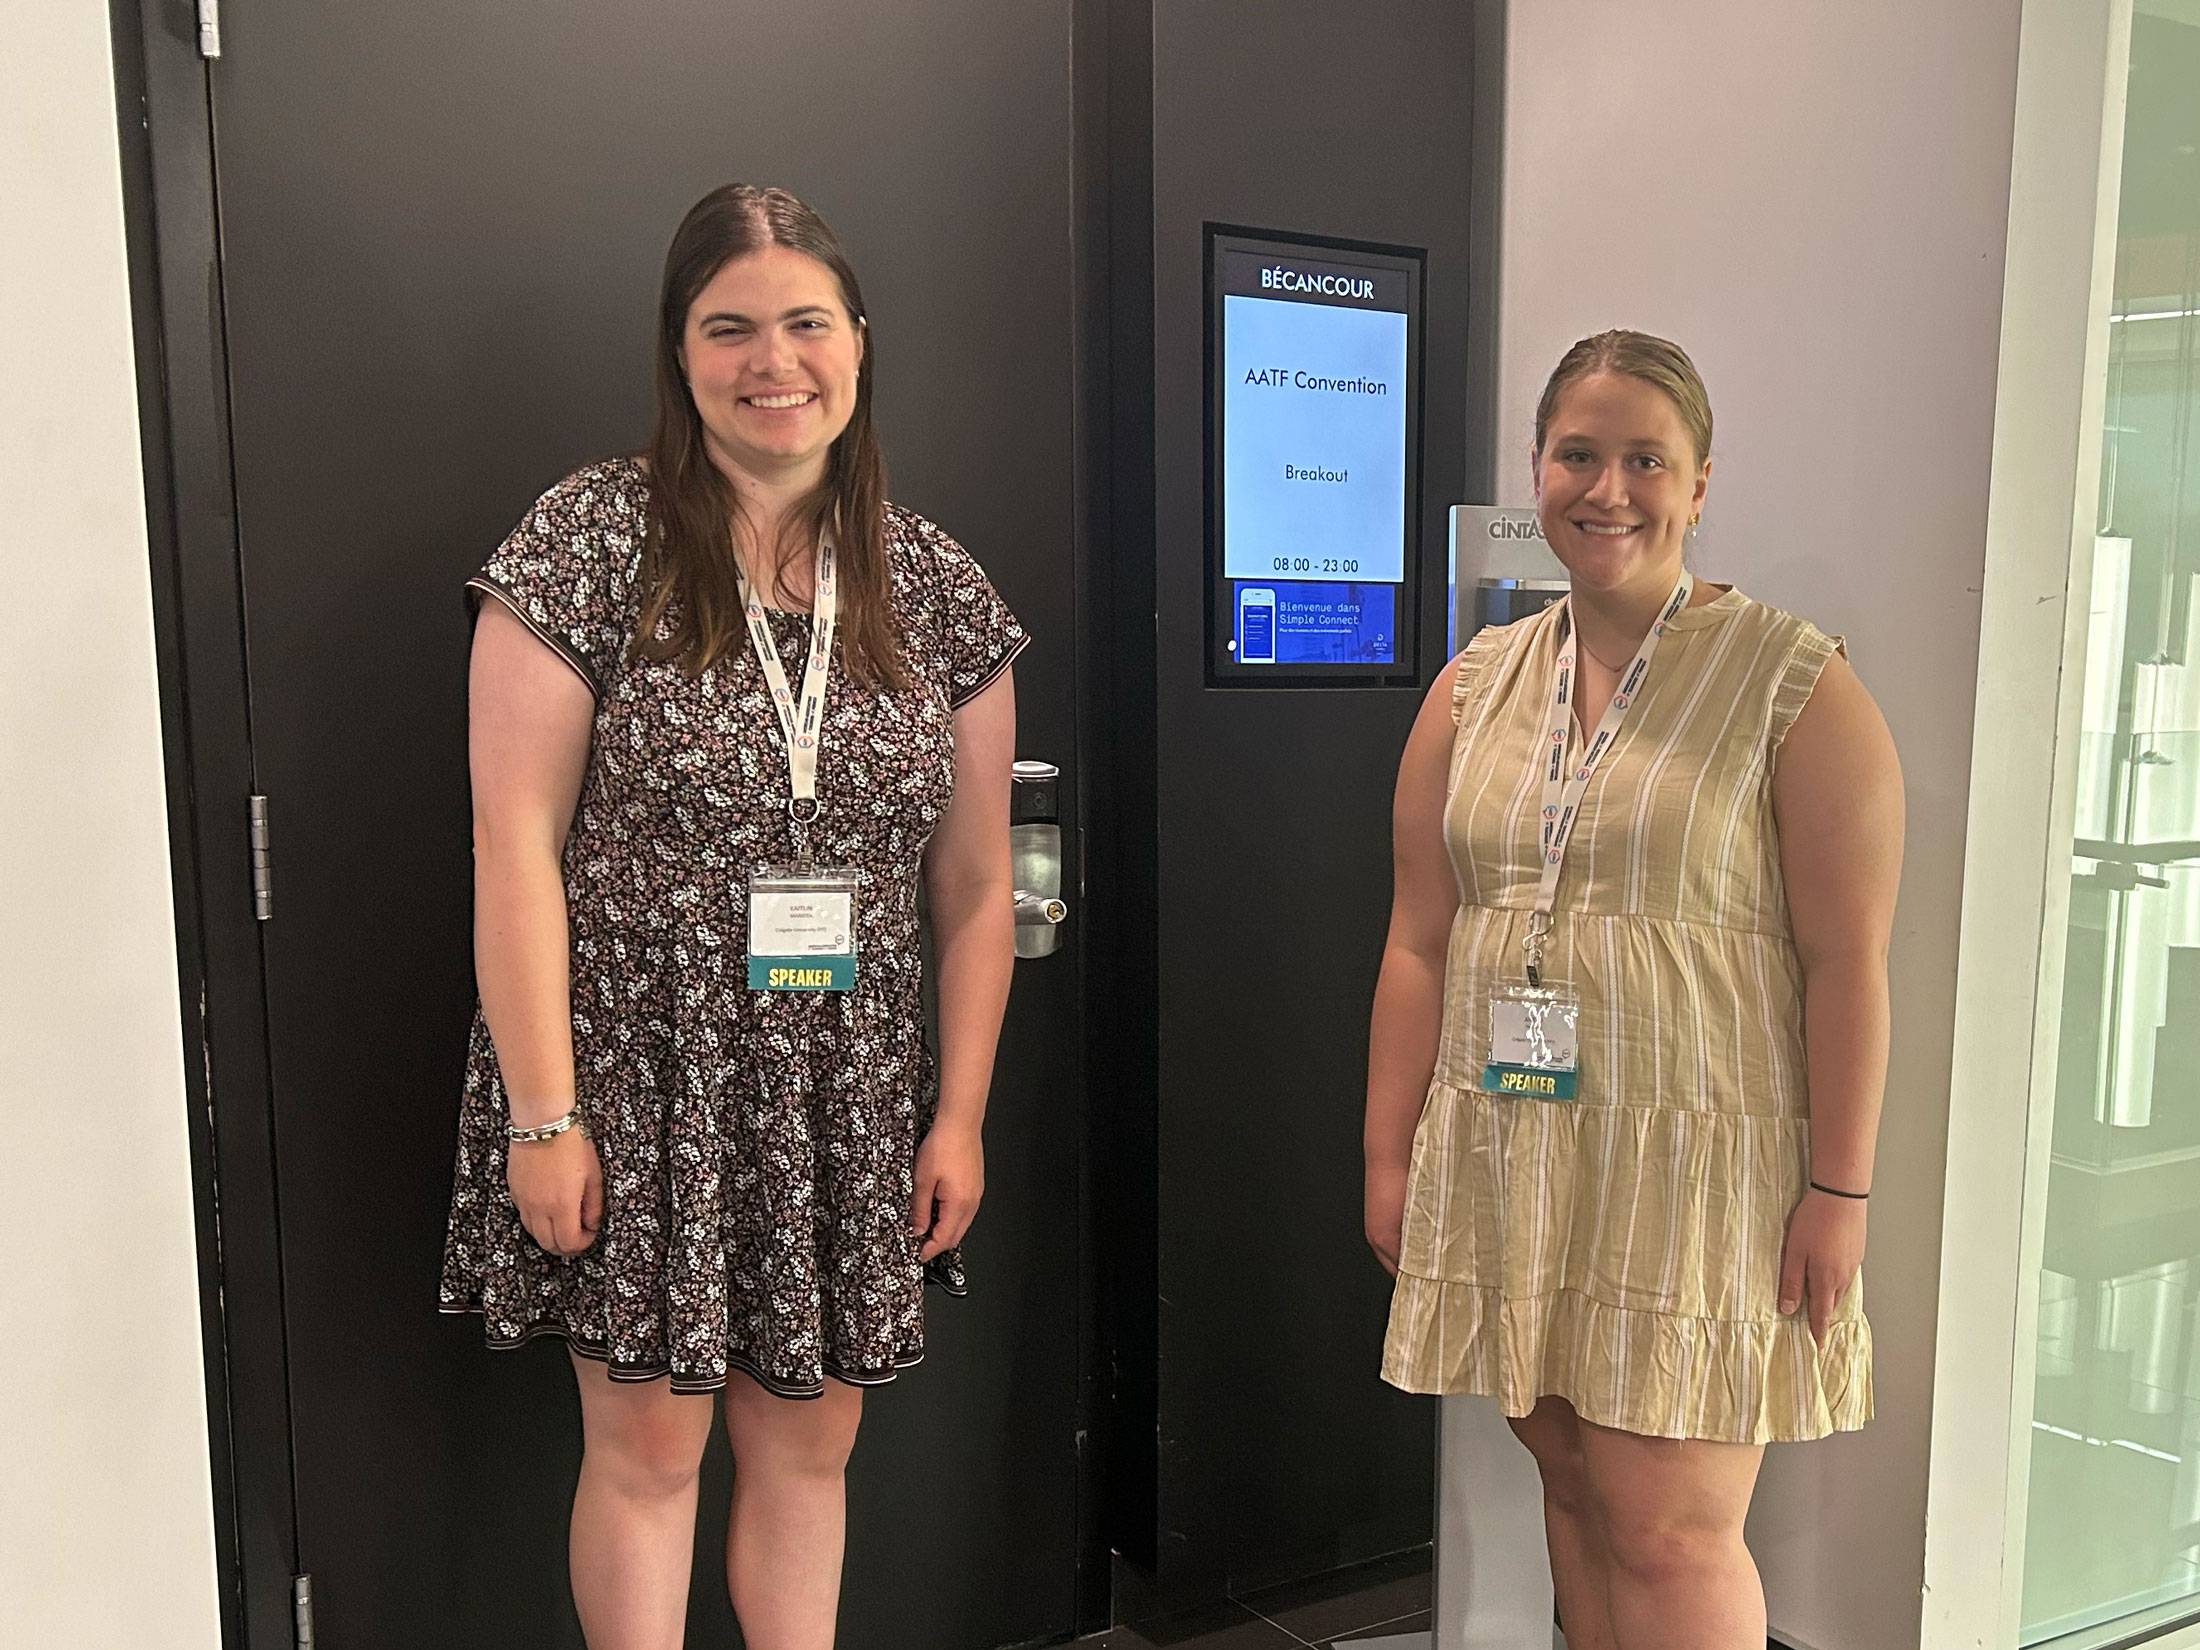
2113 1533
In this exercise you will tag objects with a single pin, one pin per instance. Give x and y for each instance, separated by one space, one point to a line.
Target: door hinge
301 1611
210 28
263 877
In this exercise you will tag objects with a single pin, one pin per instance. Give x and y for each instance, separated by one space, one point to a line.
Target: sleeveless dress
758 1148
1622 1250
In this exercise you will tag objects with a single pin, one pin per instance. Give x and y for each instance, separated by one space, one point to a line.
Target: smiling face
1616 482
771 357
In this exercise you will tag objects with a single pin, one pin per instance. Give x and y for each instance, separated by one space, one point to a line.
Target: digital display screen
1316 624
1313 417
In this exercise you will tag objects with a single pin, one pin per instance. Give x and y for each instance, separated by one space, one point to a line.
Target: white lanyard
803 725
1563 790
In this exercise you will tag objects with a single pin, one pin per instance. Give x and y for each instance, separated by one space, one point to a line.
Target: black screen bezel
1223 669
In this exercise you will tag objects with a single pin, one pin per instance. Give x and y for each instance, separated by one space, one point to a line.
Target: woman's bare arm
970 895
1837 801
529 718
1409 992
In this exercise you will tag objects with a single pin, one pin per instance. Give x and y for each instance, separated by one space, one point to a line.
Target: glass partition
2113 1533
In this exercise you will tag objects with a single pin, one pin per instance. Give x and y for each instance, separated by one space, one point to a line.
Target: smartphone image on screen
1256 626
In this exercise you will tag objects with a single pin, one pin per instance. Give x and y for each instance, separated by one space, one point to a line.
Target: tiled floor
1385 1599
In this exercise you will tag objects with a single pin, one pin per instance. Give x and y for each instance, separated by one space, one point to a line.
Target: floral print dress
758 1148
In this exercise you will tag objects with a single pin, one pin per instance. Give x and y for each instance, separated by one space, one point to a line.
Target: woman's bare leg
1572 1527
1672 1511
790 1511
633 1536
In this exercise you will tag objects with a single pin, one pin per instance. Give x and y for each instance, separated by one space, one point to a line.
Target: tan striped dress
1622 1250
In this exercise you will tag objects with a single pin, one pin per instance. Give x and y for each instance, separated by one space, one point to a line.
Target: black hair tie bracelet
1835 1191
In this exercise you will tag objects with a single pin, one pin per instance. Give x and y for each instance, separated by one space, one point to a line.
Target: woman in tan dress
1631 1029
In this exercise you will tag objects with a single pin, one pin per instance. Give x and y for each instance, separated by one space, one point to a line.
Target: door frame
172 229
2051 381
172 220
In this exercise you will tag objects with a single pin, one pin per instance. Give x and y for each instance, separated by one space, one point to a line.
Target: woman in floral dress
681 1176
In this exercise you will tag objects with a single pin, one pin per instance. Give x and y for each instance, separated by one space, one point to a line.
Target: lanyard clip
1531 946
802 812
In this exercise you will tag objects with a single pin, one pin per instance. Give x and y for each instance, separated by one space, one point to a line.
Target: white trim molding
2064 174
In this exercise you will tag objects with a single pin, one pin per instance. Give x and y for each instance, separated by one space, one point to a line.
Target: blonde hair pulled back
1658 362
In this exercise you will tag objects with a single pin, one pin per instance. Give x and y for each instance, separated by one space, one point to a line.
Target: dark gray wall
1277 1450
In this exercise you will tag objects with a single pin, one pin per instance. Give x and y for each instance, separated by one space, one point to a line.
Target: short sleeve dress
758 1148
1622 1250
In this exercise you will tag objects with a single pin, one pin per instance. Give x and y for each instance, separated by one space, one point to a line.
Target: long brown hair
1658 362
688 565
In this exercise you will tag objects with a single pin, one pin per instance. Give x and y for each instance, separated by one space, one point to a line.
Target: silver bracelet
545 1131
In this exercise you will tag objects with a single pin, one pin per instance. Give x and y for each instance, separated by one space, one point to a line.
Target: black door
440 228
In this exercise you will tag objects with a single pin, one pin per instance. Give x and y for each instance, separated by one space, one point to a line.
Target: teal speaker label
1530 1082
802 973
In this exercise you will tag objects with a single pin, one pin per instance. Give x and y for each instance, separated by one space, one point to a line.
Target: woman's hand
557 1185
1386 1213
950 1179
1825 1247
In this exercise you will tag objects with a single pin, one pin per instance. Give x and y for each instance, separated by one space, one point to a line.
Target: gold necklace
1599 658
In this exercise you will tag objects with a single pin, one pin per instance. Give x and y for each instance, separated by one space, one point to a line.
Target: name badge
802 929
1534 1043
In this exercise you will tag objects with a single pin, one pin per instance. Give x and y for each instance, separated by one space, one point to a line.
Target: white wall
106 1526
1812 199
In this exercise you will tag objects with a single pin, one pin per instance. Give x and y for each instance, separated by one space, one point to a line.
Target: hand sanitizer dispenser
1502 569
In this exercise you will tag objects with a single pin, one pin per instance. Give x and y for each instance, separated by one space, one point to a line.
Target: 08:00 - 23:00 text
1306 564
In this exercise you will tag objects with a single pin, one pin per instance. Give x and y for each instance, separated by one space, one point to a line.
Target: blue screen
1318 624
